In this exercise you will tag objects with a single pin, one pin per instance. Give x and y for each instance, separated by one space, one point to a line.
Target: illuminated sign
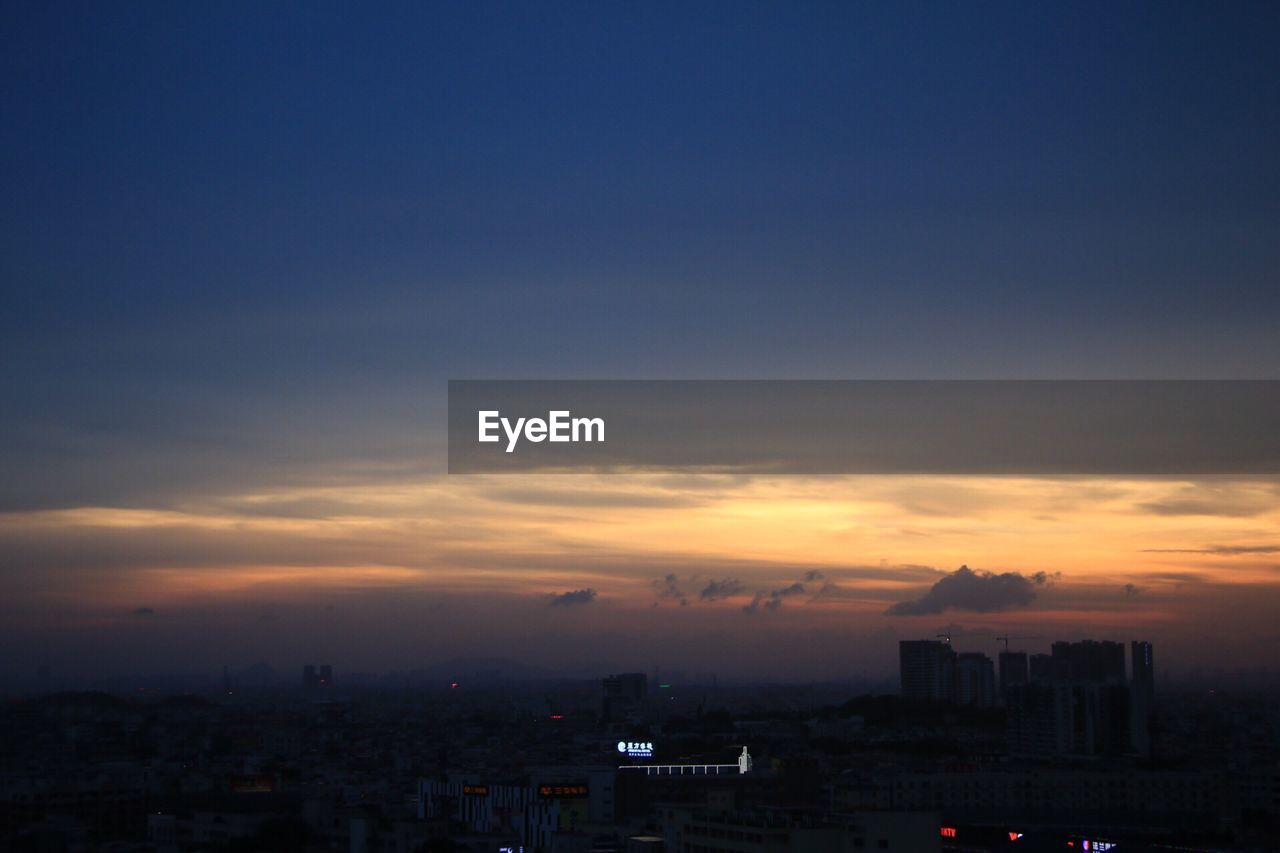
1014 836
1091 845
948 832
562 792
636 749
475 790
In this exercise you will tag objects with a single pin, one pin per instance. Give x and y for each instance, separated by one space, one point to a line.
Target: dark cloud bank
975 590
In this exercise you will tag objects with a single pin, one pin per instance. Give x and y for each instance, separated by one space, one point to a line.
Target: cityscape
640 426
1073 748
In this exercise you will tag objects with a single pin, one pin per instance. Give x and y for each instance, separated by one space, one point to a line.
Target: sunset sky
244 249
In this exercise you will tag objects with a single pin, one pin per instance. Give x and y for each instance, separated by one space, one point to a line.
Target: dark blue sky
246 238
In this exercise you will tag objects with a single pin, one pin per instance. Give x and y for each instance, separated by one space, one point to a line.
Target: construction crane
1006 638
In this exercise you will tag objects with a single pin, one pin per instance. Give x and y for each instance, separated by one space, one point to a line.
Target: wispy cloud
773 600
718 589
668 589
1218 550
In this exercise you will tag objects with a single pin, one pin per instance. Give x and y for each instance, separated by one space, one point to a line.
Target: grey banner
874 427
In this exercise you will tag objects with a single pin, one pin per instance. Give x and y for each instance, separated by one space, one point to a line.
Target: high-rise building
1013 669
1144 667
932 671
1088 660
1039 716
1069 719
624 695
1040 668
927 668
1143 688
1077 702
975 680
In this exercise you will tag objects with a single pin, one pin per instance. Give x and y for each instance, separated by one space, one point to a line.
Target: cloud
1230 501
1219 550
144 611
975 590
1132 590
813 575
577 596
669 589
1206 507
593 498
773 600
716 590
828 590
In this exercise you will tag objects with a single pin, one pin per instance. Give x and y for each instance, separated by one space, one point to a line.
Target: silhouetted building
1069 719
1040 668
932 671
1077 702
1038 718
975 680
1144 667
927 668
1088 660
624 695
1013 669
1142 662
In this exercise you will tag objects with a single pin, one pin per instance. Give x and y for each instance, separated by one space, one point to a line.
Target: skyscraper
624 695
1013 669
927 668
1088 660
1143 688
1078 702
1143 663
975 681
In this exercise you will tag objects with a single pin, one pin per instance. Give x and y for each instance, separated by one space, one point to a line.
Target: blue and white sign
636 749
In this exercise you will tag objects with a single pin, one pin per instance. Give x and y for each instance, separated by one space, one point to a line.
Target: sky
243 249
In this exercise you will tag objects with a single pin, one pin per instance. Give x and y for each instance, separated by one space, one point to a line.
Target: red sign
562 792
